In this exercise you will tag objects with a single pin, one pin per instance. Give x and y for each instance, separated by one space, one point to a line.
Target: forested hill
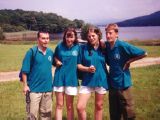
148 20
18 20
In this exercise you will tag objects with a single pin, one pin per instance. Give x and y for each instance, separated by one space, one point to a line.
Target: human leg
46 106
98 114
127 102
59 105
70 108
34 104
69 94
114 105
81 105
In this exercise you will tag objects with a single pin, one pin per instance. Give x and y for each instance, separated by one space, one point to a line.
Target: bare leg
70 108
59 105
81 105
98 106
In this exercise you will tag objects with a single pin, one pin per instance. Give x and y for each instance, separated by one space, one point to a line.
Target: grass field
146 82
11 54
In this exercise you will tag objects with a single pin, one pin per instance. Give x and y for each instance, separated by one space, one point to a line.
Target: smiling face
93 38
43 40
70 38
111 36
111 33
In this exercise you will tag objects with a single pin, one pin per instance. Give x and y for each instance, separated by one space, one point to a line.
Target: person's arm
25 85
127 64
58 62
83 68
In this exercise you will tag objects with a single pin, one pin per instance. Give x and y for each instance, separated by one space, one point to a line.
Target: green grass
151 46
11 56
146 91
153 51
12 53
12 101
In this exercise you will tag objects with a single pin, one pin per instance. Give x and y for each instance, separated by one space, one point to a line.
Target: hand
126 66
91 69
58 63
25 89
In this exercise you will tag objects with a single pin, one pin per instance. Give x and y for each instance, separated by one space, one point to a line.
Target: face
111 36
70 38
43 40
93 38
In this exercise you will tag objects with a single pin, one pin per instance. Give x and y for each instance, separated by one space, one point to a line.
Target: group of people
90 60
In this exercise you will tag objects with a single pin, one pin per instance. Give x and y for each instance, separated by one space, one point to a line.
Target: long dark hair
68 32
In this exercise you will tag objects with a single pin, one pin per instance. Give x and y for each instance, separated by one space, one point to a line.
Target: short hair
38 34
68 32
94 30
112 26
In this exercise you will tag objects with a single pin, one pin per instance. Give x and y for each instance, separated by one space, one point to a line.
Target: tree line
20 20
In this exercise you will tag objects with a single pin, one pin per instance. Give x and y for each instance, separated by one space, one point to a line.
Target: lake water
128 33
137 33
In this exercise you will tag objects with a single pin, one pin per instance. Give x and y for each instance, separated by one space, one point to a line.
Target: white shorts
67 90
86 90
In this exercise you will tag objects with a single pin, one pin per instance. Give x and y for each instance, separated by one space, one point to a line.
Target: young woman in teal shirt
91 62
65 78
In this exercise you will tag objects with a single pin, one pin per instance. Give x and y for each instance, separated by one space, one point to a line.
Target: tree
1 34
84 31
78 23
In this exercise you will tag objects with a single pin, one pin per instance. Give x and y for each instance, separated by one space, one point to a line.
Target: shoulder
60 45
49 50
34 47
31 50
123 44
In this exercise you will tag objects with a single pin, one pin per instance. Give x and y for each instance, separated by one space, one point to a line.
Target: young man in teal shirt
119 56
37 77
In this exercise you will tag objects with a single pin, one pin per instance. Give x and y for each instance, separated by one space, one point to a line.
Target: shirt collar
43 52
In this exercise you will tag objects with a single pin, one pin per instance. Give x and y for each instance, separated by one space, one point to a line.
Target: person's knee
99 106
59 105
80 107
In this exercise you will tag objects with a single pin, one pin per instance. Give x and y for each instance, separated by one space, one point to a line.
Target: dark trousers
121 104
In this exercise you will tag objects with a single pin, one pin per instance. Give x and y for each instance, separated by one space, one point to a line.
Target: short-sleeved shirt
66 75
116 59
89 56
39 77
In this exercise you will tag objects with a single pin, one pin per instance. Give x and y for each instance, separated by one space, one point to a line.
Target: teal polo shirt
116 59
40 75
66 75
89 56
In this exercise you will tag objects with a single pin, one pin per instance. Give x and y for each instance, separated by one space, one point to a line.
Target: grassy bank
12 53
146 93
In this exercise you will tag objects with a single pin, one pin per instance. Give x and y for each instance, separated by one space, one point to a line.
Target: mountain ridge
152 19
147 20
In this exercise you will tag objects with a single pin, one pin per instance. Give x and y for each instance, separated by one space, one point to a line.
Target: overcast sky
93 11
